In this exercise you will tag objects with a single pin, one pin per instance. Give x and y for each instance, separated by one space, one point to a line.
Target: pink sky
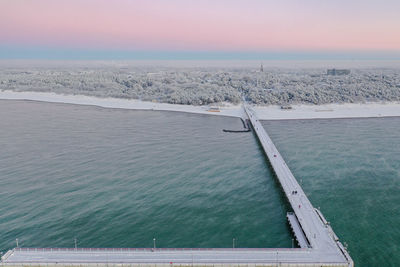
252 25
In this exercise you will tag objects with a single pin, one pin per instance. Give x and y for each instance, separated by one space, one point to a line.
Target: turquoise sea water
118 178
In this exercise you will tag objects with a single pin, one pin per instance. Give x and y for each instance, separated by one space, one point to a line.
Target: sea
121 178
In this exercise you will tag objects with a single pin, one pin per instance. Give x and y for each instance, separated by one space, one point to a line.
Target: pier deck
137 256
319 244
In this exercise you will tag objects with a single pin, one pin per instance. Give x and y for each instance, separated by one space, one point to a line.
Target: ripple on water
118 178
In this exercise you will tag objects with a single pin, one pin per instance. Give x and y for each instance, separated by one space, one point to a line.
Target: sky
199 28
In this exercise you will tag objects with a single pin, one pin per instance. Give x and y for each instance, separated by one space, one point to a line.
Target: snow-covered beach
272 112
226 110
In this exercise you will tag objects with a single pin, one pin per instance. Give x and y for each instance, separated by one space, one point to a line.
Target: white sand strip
263 112
225 110
329 111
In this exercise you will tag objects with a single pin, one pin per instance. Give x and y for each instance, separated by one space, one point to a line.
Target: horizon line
43 53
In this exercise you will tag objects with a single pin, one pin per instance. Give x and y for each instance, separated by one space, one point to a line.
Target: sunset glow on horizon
220 25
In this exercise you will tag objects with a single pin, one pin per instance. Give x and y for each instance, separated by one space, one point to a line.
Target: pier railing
22 249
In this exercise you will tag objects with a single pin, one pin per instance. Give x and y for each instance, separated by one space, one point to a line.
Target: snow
264 112
204 86
365 110
226 109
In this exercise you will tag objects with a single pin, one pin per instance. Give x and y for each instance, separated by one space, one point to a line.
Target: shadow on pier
246 126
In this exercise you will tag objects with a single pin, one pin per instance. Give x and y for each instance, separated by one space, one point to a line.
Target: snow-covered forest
200 86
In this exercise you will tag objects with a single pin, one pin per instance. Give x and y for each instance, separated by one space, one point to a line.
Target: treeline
207 86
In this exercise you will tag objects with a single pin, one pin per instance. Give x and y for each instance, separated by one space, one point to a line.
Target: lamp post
76 246
154 243
233 242
16 240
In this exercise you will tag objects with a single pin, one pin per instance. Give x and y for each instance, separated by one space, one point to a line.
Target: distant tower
261 68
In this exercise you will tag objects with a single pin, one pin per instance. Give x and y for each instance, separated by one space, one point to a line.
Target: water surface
118 178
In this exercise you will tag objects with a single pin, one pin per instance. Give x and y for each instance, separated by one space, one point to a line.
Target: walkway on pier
184 256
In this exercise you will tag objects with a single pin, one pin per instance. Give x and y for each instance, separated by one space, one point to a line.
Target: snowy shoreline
326 111
120 103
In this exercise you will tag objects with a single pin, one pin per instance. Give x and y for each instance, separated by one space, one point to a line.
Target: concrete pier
319 246
163 257
318 233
